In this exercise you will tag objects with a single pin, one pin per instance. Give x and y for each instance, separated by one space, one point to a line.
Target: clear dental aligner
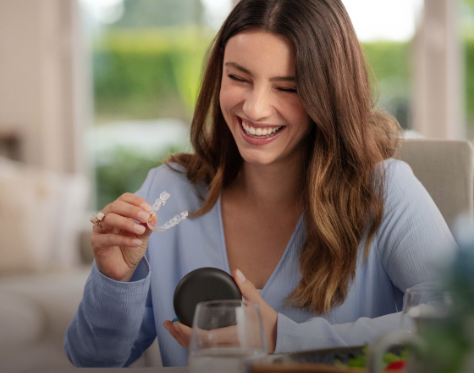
170 223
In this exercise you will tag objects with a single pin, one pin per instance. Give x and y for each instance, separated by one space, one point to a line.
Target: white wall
42 85
438 102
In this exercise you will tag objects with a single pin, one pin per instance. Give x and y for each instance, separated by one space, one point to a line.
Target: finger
183 341
135 200
114 221
182 329
127 210
97 229
175 334
269 315
224 336
247 289
109 240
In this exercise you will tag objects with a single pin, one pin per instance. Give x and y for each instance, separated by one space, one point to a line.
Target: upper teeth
259 131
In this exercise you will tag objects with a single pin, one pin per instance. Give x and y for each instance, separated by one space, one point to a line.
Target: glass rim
226 303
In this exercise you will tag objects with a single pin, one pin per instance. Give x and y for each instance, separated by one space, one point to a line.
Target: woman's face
259 100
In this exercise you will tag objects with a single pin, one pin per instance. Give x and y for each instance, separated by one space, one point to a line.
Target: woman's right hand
120 244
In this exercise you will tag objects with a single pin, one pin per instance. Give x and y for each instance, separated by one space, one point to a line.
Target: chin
260 159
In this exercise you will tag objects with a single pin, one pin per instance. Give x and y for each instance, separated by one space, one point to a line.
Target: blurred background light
216 11
105 11
376 20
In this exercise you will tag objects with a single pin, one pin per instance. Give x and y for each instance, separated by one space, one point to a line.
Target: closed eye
233 77
237 79
290 90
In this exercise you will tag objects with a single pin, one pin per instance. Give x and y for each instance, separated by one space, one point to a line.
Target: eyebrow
274 79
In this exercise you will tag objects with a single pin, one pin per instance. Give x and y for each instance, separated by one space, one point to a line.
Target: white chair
445 168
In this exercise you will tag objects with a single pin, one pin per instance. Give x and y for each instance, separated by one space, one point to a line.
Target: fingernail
175 319
146 207
139 228
137 241
240 275
142 215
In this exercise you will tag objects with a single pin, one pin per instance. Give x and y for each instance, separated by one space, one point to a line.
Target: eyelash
289 90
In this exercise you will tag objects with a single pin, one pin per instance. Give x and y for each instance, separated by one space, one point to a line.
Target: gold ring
97 217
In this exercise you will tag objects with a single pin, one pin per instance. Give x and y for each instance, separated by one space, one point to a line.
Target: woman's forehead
259 51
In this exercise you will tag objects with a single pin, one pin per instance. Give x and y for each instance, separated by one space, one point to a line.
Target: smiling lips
259 132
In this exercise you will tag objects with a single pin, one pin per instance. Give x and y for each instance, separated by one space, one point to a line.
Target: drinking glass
424 319
227 337
423 301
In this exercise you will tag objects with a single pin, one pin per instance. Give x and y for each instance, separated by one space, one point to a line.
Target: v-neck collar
282 259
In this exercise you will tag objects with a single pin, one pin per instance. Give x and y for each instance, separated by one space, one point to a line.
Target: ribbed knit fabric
117 321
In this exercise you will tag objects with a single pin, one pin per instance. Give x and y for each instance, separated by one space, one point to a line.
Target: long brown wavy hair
344 187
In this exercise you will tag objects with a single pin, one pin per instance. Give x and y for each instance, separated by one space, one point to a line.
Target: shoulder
413 230
405 198
404 195
399 179
171 173
170 178
397 173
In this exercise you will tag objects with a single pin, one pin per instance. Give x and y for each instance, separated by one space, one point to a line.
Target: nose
258 105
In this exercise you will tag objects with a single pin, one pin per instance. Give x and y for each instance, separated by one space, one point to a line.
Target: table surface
113 370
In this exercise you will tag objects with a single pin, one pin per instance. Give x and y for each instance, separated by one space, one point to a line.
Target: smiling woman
292 189
259 102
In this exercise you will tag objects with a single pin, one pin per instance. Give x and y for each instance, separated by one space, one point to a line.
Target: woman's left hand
182 333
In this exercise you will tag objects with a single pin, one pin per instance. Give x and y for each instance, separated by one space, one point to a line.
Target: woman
293 192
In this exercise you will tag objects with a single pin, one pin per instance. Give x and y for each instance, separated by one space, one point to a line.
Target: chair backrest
445 168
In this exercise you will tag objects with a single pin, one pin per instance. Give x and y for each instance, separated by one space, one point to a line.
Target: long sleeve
412 234
114 323
112 326
319 333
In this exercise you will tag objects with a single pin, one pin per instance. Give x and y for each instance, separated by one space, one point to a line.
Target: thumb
269 315
148 231
247 289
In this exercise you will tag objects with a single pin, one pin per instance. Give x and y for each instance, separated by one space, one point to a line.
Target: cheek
229 96
225 98
295 112
224 105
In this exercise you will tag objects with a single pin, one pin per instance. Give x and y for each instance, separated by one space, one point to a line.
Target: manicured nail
142 215
137 241
146 207
175 319
240 275
139 228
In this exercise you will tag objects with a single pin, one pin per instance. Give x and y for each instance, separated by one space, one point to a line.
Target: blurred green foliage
469 80
159 13
124 172
389 59
148 74
389 71
155 73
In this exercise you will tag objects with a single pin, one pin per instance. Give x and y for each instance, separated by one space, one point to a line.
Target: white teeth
259 131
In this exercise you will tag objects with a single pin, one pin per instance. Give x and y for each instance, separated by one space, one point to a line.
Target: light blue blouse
117 321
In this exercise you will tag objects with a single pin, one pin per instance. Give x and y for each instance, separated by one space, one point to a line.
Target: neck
273 186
